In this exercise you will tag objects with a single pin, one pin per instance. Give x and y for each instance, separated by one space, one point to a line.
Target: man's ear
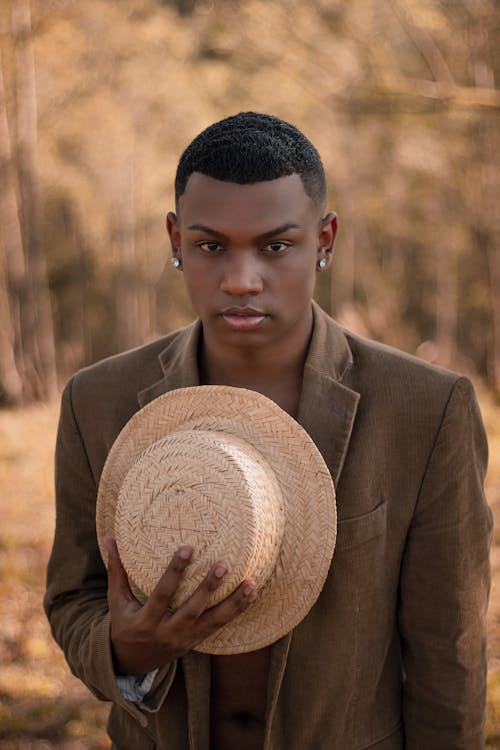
175 238
326 239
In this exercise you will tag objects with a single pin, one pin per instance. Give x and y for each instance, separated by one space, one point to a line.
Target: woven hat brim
306 485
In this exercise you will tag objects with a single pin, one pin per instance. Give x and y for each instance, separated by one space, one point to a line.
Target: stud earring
175 262
322 263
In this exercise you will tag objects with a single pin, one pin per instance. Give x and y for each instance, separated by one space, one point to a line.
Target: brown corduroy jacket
392 655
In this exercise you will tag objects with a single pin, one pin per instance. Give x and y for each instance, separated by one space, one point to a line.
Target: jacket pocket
352 532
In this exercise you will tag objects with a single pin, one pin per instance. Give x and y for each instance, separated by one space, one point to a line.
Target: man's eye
210 247
276 248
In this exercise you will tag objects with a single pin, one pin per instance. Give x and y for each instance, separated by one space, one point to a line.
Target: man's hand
150 635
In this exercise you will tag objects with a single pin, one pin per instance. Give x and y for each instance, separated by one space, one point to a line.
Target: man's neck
277 374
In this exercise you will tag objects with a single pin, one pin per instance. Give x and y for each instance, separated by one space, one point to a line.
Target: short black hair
250 147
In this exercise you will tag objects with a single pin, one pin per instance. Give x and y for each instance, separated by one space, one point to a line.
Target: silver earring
175 262
322 263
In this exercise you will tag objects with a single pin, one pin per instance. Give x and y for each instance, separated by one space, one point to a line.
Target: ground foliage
42 707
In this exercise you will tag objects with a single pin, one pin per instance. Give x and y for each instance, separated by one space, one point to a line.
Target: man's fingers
199 600
194 620
118 585
159 602
215 617
197 606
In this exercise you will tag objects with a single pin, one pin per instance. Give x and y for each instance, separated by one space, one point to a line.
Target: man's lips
243 318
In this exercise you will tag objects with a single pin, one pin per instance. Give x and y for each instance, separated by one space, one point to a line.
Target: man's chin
250 333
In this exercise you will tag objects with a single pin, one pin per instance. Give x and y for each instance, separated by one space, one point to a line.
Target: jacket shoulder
376 361
111 386
136 366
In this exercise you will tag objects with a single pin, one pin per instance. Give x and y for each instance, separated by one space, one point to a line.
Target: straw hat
228 472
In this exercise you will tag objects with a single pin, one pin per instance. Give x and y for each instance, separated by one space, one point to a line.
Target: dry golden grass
41 705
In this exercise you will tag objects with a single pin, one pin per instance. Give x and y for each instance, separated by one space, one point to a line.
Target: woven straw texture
204 489
230 473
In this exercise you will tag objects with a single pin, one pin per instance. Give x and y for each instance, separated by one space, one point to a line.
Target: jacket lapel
327 411
179 363
327 408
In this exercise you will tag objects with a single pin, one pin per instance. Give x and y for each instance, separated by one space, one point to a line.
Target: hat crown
207 489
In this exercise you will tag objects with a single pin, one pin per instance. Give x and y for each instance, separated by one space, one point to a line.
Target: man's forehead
205 196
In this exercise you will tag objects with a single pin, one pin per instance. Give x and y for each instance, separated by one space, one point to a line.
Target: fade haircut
251 147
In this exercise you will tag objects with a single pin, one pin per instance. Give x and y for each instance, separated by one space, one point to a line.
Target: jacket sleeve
445 585
76 596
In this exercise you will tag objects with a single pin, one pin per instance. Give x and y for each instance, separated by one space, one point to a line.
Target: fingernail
220 570
185 552
248 591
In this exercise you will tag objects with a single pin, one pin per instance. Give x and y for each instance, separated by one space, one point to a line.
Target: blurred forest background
97 101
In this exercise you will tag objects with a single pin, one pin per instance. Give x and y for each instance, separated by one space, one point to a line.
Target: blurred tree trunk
12 269
132 319
446 305
491 236
439 206
11 388
126 302
36 320
487 207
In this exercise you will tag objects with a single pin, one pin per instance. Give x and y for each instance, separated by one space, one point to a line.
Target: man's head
248 148
250 234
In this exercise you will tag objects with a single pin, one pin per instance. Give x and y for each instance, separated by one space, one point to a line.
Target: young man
392 655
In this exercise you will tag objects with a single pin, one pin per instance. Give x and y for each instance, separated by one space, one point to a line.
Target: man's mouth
243 318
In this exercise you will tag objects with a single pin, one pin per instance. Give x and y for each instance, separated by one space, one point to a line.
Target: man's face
249 255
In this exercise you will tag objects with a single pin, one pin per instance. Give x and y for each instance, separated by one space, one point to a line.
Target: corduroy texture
228 472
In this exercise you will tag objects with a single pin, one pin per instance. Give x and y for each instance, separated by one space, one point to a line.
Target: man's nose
242 276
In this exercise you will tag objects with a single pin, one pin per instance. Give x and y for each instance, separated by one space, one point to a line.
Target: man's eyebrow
265 236
207 230
279 230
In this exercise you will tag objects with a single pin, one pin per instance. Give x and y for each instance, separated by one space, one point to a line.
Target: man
392 655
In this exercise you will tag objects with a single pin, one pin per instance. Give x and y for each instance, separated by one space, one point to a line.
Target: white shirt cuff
135 688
